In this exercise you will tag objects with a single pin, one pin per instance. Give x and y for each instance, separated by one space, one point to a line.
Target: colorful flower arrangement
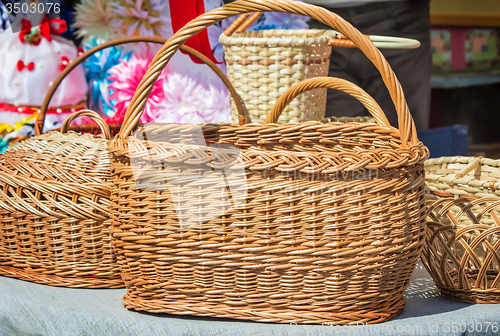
179 96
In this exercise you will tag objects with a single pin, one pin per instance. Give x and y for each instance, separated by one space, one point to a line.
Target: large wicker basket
272 223
263 64
462 250
54 197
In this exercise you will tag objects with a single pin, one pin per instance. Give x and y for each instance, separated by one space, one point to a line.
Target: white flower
141 18
192 99
93 20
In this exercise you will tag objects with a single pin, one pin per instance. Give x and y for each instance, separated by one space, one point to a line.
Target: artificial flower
93 20
141 17
284 21
124 80
98 68
192 99
4 18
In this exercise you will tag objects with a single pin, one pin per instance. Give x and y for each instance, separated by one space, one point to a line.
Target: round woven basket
263 64
54 200
462 249
270 222
55 194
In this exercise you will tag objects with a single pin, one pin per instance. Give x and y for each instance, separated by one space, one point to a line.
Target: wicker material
262 65
462 250
305 234
54 201
463 176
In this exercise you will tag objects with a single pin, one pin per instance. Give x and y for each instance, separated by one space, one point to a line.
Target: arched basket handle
243 114
134 111
330 83
340 41
91 114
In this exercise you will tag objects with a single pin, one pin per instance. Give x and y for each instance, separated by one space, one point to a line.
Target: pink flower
192 99
125 78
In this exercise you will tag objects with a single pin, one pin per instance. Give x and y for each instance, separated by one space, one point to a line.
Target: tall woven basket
263 64
272 223
462 250
55 194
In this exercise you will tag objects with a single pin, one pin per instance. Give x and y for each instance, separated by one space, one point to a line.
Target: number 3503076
33 8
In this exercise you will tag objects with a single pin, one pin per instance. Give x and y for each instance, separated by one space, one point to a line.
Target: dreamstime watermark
204 181
27 16
484 327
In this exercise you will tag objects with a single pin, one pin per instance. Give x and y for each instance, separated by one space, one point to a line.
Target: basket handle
340 41
243 114
476 162
330 83
134 111
91 114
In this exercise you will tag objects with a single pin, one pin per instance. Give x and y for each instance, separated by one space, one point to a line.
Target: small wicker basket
262 65
54 200
462 249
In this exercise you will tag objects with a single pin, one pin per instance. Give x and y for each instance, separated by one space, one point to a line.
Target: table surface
32 309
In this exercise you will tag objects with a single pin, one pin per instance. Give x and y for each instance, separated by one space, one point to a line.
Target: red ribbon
54 26
21 66
183 11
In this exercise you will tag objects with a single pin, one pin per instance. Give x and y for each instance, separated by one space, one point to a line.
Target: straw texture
54 201
462 250
262 65
456 176
303 233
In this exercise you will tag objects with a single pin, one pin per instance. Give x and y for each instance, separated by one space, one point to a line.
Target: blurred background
466 70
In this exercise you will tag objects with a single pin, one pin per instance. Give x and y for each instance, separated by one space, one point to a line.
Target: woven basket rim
465 181
279 37
399 157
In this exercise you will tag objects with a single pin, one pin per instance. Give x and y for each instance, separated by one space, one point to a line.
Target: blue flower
4 144
284 21
98 66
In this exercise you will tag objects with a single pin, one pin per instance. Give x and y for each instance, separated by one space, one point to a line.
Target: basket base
184 307
90 283
471 295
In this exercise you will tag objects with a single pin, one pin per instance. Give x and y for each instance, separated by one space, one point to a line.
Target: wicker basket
457 176
462 250
54 198
272 223
262 65
54 203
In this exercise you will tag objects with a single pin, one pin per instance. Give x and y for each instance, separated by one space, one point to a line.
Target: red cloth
183 11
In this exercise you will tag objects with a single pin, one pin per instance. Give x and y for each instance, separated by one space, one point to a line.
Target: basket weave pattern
54 200
293 249
310 244
456 176
262 65
462 250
